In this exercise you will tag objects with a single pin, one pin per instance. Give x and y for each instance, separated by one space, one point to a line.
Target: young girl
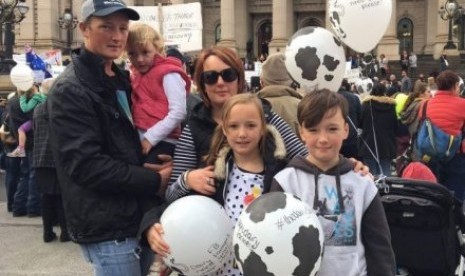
28 101
160 87
246 153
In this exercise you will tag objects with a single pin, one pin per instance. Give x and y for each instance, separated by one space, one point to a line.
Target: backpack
433 143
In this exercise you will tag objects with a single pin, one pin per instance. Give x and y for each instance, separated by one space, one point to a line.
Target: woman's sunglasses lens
229 75
211 77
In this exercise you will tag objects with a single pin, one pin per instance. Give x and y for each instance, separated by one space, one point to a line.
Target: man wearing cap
105 187
278 90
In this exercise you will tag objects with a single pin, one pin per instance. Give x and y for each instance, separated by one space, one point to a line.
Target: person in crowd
402 134
413 64
28 101
431 81
12 165
27 195
356 233
380 146
409 113
410 119
405 82
277 89
384 65
393 85
356 61
404 61
2 151
250 166
443 62
160 86
420 80
445 110
105 186
350 145
46 177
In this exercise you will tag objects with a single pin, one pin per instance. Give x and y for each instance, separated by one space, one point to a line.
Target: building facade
256 27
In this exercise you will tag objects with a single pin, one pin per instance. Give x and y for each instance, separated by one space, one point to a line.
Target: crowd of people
103 151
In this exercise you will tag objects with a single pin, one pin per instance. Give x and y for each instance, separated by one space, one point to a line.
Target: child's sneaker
18 152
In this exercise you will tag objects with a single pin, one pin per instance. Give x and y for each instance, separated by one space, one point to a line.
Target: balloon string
365 143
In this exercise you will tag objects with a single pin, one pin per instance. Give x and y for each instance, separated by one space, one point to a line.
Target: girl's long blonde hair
219 138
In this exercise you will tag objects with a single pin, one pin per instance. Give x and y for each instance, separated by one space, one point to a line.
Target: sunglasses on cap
211 77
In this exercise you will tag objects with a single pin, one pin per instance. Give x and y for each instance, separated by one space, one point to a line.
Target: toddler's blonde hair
141 34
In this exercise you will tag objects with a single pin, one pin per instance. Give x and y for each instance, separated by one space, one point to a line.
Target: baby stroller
426 225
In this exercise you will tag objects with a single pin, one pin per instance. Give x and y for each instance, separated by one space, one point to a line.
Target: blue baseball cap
106 7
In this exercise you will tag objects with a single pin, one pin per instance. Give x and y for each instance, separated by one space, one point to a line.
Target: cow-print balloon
278 234
315 59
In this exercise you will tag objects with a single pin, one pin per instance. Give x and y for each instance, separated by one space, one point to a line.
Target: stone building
254 27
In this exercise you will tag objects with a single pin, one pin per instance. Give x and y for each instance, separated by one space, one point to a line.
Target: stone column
327 25
431 25
241 29
389 44
228 22
442 31
283 25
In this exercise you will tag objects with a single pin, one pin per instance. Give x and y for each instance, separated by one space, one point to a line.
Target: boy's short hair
313 107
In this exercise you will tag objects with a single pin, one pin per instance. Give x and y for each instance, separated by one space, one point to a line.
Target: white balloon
199 233
364 85
315 59
278 234
22 77
360 24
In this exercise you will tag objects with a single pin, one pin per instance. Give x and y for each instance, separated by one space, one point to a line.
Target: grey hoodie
357 237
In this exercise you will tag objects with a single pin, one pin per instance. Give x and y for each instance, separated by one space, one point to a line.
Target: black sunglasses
211 77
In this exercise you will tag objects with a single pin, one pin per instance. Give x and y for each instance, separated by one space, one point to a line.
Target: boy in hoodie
357 237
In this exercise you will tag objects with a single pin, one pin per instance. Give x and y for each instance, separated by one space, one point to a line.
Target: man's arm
82 152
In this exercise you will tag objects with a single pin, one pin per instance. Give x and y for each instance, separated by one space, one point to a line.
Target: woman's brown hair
226 55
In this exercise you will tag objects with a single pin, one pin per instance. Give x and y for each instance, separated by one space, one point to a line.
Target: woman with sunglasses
219 75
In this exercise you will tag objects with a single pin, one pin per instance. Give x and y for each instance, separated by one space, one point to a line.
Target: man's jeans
118 258
27 196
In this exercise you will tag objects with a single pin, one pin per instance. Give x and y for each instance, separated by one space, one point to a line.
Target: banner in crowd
52 57
181 25
351 74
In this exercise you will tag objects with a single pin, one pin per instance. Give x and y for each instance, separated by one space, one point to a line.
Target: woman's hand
361 168
202 180
156 241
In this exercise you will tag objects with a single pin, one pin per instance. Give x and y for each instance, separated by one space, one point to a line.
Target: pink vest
150 104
